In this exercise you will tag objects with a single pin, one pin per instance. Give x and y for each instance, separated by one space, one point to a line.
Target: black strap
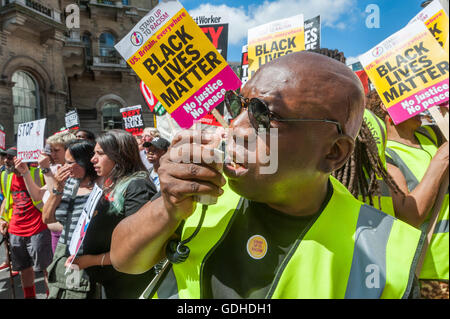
68 219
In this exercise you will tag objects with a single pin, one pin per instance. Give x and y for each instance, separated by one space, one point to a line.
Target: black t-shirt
245 263
98 241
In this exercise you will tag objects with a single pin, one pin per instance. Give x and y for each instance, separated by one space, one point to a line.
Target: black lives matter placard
312 33
409 71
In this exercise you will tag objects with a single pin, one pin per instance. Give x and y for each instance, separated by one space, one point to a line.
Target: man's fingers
192 172
195 153
178 190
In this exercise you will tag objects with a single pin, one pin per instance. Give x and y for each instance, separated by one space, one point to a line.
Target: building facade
47 69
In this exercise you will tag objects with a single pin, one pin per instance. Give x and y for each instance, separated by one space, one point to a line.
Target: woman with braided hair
365 174
417 161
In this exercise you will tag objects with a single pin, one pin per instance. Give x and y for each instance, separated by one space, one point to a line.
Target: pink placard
434 95
206 98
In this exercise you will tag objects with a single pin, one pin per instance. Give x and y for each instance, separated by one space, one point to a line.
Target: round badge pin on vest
257 246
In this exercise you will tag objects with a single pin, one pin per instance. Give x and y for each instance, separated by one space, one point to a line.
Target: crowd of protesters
148 195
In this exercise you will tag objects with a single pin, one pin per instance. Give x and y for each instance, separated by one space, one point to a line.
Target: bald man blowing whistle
294 233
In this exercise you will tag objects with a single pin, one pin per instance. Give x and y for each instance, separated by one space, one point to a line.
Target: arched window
111 116
87 44
25 98
107 41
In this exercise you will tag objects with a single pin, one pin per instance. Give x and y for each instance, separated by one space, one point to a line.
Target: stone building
47 68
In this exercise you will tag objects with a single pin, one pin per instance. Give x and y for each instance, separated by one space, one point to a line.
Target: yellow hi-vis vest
351 251
6 180
378 129
413 163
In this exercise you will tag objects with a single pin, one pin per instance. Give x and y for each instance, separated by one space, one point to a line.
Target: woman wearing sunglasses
126 188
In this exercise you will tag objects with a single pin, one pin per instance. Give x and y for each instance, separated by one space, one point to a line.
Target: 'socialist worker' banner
132 119
436 20
170 53
30 140
272 40
409 71
312 33
72 120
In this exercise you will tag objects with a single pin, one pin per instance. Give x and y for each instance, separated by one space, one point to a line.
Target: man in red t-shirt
30 239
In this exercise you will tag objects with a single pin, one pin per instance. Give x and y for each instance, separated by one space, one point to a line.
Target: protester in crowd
148 134
30 240
139 141
5 264
155 149
365 174
49 161
74 183
126 189
85 134
417 159
303 233
2 160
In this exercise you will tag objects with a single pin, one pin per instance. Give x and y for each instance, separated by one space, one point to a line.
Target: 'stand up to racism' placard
409 71
170 53
132 119
269 41
436 20
30 140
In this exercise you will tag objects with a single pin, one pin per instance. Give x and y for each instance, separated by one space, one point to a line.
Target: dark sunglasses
259 113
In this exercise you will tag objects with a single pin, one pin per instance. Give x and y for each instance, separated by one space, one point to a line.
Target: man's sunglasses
259 114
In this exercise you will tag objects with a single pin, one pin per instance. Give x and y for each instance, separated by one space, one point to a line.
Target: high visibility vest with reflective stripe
414 163
351 251
6 179
378 130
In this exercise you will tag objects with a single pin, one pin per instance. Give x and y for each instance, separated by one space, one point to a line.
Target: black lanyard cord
176 251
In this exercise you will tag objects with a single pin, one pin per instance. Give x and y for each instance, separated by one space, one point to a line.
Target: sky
343 22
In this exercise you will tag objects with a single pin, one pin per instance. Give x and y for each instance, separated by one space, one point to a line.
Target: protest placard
170 53
244 65
312 33
132 119
409 71
72 120
85 218
436 20
274 39
2 140
218 35
30 140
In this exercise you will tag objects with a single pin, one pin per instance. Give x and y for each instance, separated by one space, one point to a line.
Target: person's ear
338 154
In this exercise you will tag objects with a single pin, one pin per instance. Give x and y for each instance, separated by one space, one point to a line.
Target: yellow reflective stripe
402 253
38 179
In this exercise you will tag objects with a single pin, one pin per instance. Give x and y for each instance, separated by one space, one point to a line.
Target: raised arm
414 206
48 212
138 242
34 190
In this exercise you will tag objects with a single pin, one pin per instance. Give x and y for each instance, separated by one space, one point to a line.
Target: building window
107 41
87 44
125 2
111 116
25 98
